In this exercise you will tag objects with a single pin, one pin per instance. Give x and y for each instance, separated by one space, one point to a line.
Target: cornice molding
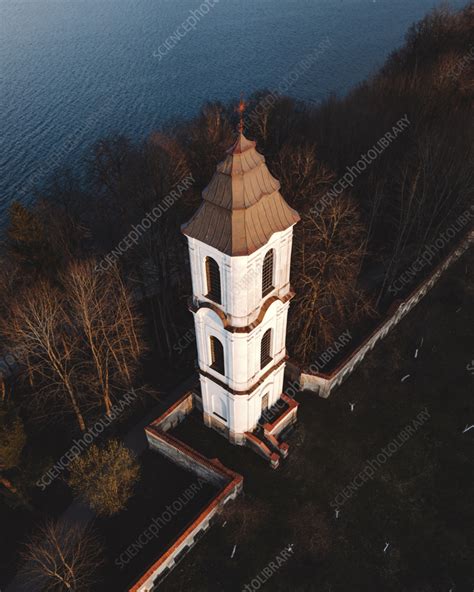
252 388
247 328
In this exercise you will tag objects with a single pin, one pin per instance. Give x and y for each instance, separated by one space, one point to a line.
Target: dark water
74 70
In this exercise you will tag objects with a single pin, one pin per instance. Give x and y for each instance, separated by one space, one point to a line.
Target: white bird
337 513
416 353
467 428
386 547
405 377
224 524
352 406
233 551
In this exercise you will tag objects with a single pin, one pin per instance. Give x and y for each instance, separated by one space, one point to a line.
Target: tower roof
242 205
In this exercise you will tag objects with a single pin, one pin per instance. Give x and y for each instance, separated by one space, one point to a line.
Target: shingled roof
242 205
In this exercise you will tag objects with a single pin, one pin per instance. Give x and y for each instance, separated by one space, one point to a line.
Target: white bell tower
240 243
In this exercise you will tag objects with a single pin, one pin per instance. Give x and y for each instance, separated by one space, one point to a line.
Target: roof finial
241 110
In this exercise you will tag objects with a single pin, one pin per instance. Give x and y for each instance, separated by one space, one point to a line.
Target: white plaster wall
243 411
241 277
241 350
241 295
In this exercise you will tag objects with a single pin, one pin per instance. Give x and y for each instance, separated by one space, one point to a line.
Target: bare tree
205 141
62 557
329 248
12 442
328 251
103 316
304 178
430 189
156 264
112 158
37 331
79 342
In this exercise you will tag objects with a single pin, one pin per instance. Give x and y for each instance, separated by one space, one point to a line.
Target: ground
419 501
161 483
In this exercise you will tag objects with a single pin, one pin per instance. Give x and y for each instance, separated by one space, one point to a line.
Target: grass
161 483
420 500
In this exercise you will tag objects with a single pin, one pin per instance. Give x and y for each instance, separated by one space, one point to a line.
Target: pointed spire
241 145
241 110
242 205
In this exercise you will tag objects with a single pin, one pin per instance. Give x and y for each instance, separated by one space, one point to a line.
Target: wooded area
83 336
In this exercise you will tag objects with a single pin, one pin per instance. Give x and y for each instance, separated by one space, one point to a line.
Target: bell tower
240 242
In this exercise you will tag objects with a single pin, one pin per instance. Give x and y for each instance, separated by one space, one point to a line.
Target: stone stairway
267 438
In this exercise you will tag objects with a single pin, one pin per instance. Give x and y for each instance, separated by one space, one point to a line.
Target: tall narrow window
265 349
217 356
213 277
267 273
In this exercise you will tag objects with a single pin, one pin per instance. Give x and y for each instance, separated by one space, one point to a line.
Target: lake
73 71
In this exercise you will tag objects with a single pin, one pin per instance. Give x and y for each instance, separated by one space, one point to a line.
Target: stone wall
323 383
175 414
184 456
288 417
260 448
230 484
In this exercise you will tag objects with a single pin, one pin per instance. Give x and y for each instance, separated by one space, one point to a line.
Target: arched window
265 349
213 278
267 273
217 356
